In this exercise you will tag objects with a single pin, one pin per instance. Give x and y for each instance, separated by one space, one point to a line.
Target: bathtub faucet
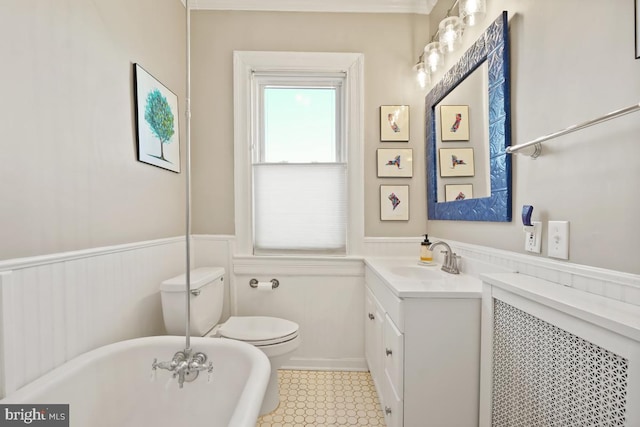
185 365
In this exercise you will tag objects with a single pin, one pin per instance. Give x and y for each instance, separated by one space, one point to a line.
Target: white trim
244 63
422 7
299 266
20 263
311 364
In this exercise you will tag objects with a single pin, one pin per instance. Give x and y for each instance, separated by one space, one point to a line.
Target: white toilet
277 338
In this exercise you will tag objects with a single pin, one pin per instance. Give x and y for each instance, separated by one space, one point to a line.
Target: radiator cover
546 376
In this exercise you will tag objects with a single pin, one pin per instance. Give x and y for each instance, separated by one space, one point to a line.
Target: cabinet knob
371 316
387 410
388 351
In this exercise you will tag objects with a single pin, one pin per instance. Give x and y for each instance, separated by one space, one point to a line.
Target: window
298 164
299 175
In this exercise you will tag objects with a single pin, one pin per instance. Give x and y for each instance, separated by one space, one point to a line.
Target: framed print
454 123
394 123
156 122
456 162
396 163
394 202
456 192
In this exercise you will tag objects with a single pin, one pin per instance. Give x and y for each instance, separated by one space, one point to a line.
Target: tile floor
325 399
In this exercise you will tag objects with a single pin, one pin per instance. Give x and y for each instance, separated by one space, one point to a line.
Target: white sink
417 272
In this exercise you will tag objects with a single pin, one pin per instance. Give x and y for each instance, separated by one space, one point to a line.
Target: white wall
571 61
70 178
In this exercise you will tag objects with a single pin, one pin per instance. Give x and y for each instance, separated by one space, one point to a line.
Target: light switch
558 239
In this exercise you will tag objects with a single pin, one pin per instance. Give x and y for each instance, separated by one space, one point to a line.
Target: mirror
472 157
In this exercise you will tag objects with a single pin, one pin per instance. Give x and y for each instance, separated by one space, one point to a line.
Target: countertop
407 278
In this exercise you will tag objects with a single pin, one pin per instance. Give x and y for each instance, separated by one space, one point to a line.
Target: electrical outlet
559 239
533 237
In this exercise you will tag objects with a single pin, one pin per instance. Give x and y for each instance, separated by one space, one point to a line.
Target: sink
417 272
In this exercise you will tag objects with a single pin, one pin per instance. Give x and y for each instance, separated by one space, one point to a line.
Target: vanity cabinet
423 352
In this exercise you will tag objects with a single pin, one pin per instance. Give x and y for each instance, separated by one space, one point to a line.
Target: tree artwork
160 118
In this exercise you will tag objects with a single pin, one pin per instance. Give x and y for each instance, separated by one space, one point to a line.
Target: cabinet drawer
391 303
392 406
393 341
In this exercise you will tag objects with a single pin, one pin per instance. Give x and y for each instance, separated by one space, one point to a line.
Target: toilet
277 338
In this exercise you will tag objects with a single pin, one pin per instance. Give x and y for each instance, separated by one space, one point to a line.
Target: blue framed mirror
491 178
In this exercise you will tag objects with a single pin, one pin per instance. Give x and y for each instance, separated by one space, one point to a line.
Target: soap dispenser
425 253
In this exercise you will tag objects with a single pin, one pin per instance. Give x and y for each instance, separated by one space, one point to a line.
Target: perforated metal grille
545 376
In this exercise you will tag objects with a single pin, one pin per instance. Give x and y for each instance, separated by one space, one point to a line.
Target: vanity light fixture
449 37
472 11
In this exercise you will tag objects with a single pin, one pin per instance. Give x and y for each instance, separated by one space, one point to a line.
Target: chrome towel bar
537 148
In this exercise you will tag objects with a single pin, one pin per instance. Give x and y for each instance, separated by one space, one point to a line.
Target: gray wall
390 43
571 61
69 178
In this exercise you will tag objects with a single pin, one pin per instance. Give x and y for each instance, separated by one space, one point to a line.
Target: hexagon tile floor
325 399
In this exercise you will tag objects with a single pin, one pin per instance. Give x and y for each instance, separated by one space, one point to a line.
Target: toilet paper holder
254 283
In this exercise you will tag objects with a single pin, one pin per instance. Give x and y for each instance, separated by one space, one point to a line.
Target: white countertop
407 278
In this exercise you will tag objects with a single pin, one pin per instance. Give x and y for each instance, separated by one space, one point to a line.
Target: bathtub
113 386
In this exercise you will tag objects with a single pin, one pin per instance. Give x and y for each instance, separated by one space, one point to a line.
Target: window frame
246 65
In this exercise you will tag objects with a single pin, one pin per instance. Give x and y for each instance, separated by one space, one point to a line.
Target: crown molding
343 6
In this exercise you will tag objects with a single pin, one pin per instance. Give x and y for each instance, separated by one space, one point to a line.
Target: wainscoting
58 306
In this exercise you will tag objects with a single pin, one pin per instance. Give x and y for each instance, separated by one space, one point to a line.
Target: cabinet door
394 355
392 405
374 318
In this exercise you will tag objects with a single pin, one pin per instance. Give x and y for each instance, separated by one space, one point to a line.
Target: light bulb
421 73
433 56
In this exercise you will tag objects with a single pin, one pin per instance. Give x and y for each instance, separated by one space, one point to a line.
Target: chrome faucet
185 366
450 264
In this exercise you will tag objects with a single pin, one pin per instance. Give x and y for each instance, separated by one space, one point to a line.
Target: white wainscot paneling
325 297
59 306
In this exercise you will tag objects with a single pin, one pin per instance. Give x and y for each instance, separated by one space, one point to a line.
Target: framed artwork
394 202
457 192
395 163
454 123
156 122
637 15
456 162
394 123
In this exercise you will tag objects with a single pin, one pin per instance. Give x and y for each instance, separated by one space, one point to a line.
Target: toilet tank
207 295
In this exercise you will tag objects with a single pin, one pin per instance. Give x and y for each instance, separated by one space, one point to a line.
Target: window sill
299 265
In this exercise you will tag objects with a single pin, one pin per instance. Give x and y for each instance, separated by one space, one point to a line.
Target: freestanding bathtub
113 386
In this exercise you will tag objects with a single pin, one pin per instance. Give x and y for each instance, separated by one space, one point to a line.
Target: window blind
300 207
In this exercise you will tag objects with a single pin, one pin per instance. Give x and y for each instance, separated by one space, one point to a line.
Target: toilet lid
258 330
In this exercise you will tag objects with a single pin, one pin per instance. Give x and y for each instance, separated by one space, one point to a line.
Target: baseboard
309 364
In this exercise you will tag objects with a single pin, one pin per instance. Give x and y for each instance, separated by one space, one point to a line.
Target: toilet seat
259 330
